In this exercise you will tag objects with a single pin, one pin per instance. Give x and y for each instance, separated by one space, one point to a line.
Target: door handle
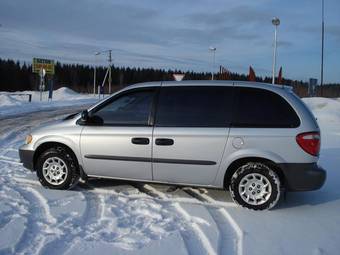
164 141
140 140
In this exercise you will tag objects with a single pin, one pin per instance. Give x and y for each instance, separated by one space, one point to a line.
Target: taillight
309 142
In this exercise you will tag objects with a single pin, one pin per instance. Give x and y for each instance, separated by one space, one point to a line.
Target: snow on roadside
11 104
327 113
7 100
326 108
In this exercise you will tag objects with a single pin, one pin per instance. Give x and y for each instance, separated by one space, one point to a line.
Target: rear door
190 133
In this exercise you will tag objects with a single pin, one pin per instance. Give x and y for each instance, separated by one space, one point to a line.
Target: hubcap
255 189
55 171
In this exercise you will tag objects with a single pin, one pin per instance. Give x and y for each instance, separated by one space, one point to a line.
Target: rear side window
263 108
190 106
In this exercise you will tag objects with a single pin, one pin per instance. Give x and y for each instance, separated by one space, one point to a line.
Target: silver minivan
253 139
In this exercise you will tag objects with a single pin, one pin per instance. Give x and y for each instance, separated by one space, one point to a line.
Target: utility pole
95 73
110 79
322 45
108 73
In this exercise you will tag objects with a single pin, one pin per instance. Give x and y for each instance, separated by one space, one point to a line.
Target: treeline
15 76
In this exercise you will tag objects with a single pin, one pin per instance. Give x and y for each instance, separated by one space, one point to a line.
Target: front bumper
303 177
26 157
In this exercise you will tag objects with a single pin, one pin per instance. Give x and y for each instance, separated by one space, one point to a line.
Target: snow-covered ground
116 217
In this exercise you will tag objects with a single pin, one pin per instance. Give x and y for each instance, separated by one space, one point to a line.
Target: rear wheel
57 169
255 186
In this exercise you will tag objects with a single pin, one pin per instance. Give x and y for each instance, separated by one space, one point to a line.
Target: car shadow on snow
172 191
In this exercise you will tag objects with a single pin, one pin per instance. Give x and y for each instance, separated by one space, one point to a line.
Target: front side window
194 106
263 108
129 109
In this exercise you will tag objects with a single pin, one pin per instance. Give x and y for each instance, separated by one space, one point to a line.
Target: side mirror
85 119
85 115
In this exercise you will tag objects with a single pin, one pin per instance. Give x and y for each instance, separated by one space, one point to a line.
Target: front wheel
57 169
255 186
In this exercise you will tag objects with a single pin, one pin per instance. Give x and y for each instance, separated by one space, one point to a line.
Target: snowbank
14 103
327 113
61 94
8 100
325 109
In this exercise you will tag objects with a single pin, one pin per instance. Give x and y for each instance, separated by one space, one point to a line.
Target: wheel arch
241 161
47 145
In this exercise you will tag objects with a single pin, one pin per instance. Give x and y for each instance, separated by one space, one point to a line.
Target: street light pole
213 50
276 23
322 44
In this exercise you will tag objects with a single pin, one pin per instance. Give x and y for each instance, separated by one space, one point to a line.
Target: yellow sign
47 64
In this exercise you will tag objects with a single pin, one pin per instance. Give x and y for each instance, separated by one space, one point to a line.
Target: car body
197 133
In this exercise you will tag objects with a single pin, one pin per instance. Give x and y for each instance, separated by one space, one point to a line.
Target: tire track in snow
94 215
230 242
14 210
10 161
200 244
44 204
40 226
75 228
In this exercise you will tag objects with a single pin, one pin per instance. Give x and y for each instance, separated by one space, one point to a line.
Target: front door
190 134
117 141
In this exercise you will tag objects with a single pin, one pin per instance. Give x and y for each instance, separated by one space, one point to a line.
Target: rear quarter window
262 108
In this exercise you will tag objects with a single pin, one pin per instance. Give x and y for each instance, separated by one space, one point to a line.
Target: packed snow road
116 217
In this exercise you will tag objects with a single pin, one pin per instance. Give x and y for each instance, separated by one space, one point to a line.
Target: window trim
236 101
227 124
155 90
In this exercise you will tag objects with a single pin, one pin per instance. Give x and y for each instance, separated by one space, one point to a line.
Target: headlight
28 139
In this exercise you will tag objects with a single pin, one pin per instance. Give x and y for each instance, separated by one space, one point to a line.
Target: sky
176 34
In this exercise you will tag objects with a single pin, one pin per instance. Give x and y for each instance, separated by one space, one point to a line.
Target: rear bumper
303 177
26 157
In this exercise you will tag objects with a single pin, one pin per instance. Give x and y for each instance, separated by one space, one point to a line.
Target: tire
255 186
61 169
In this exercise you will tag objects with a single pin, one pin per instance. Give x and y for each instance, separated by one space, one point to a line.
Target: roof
279 89
252 84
